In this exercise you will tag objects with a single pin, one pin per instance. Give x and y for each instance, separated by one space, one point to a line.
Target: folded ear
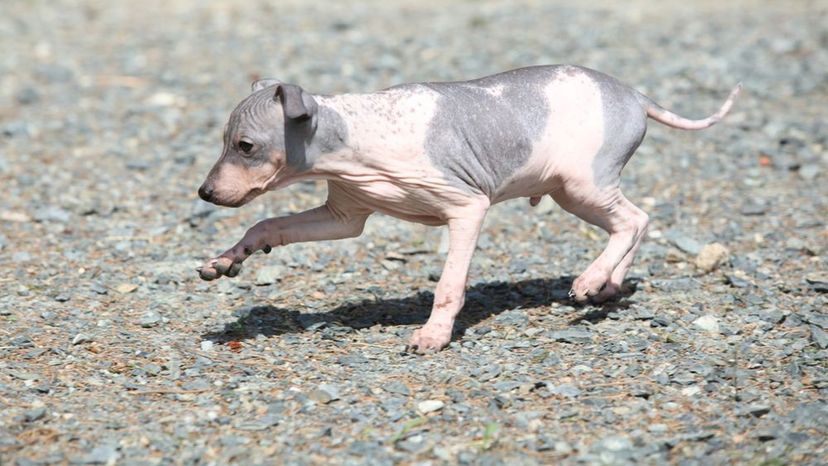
296 103
260 84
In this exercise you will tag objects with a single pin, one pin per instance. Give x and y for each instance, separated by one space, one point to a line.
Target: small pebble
151 319
711 257
81 338
708 323
430 406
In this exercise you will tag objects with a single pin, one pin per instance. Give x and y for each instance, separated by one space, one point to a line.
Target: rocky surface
112 350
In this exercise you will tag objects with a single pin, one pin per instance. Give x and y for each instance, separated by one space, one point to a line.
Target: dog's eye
245 146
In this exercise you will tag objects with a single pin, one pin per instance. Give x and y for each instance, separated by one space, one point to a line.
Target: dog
442 153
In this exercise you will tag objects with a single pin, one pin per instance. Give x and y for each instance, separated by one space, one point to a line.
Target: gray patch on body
625 124
484 130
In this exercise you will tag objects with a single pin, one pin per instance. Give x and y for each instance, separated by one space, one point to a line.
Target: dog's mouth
252 194
232 197
238 202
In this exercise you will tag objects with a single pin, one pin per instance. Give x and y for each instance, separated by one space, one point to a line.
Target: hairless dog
442 153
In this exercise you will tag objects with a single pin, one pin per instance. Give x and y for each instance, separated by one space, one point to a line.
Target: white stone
711 257
708 323
430 406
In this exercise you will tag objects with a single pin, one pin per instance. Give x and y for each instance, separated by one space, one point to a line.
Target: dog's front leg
450 294
311 225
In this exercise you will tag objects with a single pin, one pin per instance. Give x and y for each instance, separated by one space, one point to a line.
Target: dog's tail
659 114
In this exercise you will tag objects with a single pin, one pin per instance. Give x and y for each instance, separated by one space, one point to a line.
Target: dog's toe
234 269
223 265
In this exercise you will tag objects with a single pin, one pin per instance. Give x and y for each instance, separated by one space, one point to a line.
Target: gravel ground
112 350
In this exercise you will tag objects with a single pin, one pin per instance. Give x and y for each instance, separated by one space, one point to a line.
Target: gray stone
661 321
684 242
28 95
567 390
708 323
810 171
395 386
490 372
614 443
819 336
698 435
233 440
506 386
21 256
263 423
51 214
99 288
150 319
571 335
644 314
753 208
324 393
815 318
414 444
765 434
737 281
22 341
818 282
196 385
270 274
754 409
34 414
7 439
102 454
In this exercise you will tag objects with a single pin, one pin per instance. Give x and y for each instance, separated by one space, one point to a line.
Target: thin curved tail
659 114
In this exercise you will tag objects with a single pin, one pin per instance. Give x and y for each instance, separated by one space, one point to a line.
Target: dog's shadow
482 301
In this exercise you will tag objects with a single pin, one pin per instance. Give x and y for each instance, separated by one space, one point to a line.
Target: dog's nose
205 192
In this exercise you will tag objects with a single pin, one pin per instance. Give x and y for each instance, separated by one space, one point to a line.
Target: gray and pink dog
443 153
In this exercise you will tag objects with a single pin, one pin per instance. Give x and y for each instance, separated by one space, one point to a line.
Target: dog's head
264 142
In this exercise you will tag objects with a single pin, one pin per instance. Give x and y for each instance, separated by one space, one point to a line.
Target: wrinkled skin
442 154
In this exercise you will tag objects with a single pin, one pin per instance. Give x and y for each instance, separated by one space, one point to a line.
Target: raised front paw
229 264
429 339
222 265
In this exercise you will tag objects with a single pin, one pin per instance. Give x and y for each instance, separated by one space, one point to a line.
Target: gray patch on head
260 113
255 117
484 130
625 124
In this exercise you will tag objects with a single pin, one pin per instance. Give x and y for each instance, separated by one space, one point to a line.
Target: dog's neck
351 142
334 153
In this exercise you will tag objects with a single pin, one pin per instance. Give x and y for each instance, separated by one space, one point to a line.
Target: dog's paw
608 292
219 266
429 339
593 286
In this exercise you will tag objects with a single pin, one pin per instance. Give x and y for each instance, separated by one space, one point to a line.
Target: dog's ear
260 84
297 104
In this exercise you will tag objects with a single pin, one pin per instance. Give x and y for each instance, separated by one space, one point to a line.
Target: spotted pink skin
384 166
